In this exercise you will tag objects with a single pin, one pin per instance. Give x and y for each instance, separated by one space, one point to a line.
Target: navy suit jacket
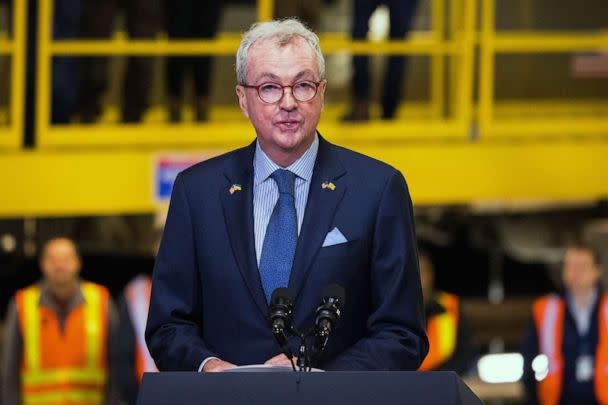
207 297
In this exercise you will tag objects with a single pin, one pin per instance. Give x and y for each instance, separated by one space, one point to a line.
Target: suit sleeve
173 330
11 358
125 348
112 395
396 339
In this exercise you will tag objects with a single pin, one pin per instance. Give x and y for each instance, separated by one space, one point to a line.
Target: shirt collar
586 307
263 166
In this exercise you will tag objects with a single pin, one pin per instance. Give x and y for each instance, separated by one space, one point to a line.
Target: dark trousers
143 21
190 19
66 24
308 11
401 16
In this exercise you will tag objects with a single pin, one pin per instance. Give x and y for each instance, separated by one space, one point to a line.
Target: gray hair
283 32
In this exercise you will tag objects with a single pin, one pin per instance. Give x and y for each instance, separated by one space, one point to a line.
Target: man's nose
288 102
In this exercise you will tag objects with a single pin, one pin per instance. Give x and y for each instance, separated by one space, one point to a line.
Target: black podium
349 388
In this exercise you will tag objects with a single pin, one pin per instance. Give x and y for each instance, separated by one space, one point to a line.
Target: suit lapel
238 214
320 209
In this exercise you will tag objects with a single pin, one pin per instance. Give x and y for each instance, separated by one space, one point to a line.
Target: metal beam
98 182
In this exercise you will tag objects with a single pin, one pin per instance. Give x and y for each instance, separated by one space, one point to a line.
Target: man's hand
217 365
281 360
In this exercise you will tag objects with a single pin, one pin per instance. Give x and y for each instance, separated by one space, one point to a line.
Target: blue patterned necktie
281 236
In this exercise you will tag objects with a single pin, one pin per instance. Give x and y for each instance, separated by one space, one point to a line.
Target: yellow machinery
572 120
459 47
109 168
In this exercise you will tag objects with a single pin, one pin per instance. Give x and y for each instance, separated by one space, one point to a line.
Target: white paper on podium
261 368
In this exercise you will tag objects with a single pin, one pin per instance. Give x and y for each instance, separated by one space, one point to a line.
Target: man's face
287 127
580 273
60 263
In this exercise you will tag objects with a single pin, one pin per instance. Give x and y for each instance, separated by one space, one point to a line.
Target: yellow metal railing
457 45
450 41
11 134
112 179
493 42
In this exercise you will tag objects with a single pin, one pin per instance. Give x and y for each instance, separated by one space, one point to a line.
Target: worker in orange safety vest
132 349
566 347
451 347
57 336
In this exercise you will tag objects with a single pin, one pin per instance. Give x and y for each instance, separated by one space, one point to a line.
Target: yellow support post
18 70
44 63
466 74
438 59
456 16
486 79
10 136
265 10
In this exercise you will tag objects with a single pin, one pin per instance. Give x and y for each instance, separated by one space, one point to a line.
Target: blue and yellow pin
234 188
328 185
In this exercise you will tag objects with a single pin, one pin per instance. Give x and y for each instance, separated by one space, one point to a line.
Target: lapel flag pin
328 185
234 188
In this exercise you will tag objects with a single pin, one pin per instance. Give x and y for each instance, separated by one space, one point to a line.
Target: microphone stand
303 352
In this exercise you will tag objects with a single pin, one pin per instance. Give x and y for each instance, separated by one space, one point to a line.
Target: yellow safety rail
457 45
570 118
11 135
454 42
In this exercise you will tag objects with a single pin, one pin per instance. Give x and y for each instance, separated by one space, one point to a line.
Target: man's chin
289 140
62 283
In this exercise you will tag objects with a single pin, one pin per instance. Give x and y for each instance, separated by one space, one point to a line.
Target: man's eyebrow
268 75
304 73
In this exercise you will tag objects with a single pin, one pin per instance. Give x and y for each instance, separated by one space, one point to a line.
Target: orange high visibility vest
138 302
64 366
549 313
442 332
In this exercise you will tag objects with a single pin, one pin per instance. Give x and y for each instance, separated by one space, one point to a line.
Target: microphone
280 318
327 316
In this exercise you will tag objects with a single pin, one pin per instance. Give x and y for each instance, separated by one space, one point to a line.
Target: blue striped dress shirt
266 192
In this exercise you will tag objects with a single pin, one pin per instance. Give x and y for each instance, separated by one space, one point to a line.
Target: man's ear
240 93
322 88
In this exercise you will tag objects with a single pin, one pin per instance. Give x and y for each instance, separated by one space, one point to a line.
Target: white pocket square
334 237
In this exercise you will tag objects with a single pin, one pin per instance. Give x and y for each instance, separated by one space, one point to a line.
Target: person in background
451 346
58 336
142 21
132 352
66 25
566 346
189 19
307 11
401 16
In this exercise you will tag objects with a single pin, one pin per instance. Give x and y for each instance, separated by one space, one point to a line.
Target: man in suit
290 210
565 348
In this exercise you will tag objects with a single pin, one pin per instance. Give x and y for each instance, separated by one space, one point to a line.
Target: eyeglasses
271 93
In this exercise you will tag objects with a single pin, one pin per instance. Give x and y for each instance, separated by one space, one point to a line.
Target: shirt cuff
202 366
